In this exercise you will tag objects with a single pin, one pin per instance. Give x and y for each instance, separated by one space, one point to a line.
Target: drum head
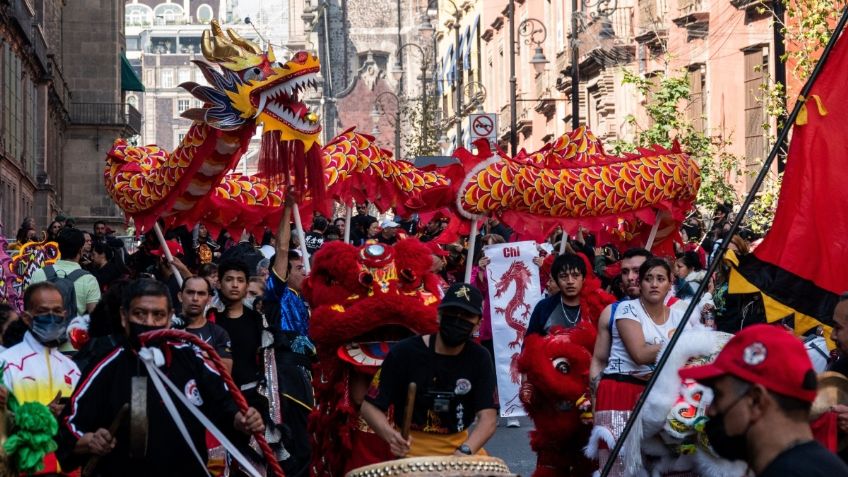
471 466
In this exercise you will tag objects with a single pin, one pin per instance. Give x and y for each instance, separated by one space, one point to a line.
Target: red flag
800 266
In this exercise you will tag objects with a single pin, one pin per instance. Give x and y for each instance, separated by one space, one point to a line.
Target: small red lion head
556 369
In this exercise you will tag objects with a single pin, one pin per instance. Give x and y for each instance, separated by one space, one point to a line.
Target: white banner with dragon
514 290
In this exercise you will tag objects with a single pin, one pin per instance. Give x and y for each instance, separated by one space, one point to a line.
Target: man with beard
455 381
194 296
630 263
146 306
563 309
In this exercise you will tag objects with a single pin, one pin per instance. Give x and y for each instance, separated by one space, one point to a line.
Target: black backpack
65 284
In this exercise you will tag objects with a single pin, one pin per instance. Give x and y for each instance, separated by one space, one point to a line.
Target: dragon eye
561 365
254 74
300 57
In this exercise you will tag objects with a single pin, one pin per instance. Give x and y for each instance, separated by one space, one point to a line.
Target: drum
471 466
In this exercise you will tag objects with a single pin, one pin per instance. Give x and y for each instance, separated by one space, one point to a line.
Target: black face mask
455 330
137 329
725 446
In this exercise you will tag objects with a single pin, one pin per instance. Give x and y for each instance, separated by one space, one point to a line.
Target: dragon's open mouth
369 349
282 102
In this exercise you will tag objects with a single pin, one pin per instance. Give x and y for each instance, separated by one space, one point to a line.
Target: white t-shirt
620 361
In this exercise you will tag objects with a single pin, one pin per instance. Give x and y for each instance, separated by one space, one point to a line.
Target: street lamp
535 33
457 15
377 113
397 72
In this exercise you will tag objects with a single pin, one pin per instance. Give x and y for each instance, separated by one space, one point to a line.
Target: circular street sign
482 126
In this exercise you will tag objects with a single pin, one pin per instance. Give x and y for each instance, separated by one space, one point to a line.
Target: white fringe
599 434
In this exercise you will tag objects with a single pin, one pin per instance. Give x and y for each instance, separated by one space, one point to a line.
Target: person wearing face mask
107 386
194 295
455 381
764 386
34 369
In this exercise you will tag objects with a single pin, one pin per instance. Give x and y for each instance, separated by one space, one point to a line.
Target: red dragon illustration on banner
362 300
519 274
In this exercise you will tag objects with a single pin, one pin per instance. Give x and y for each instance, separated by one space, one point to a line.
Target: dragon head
253 86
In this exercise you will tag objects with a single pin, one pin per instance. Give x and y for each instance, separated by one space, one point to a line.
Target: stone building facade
62 107
725 48
358 42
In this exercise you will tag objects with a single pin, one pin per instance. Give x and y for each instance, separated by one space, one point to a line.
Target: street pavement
513 446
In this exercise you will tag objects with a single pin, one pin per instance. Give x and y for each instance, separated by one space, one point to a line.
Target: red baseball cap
766 355
436 249
173 246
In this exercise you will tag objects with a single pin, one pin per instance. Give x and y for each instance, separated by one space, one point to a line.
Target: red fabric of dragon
573 181
556 369
362 300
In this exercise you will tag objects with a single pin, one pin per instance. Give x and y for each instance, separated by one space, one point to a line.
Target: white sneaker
513 423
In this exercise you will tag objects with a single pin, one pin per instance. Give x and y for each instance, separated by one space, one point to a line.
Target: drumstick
407 412
113 429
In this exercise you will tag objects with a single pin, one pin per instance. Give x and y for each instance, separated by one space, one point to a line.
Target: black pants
297 401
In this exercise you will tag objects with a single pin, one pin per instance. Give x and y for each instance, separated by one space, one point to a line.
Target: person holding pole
455 384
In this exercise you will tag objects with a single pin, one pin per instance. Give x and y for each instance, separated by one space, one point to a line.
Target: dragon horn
246 44
216 28
216 47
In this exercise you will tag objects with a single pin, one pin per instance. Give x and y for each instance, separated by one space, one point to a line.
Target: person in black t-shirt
244 327
194 296
455 381
315 238
764 386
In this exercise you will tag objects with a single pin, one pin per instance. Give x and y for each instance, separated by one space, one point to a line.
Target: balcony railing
106 114
652 14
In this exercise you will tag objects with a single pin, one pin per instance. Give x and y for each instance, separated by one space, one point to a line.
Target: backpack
65 285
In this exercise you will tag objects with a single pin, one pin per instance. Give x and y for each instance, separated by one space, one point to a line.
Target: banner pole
472 243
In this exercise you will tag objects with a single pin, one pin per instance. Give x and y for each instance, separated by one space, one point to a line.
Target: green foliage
665 98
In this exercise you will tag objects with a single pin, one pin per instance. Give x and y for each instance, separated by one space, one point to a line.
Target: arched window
168 13
205 13
138 14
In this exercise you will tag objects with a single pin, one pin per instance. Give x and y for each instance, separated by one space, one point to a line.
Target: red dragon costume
363 300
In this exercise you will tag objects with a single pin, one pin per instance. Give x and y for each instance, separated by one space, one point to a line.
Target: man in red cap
764 385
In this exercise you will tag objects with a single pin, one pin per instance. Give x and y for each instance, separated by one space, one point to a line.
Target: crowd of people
242 297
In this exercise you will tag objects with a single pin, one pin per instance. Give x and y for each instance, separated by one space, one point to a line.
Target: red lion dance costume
555 391
363 300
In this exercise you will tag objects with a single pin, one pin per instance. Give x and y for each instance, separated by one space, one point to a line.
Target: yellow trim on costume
297 401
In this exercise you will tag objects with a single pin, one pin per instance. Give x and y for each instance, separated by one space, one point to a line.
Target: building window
138 15
183 75
168 14
756 64
167 78
204 13
182 105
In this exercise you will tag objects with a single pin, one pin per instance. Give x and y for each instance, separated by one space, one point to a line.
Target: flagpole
761 177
